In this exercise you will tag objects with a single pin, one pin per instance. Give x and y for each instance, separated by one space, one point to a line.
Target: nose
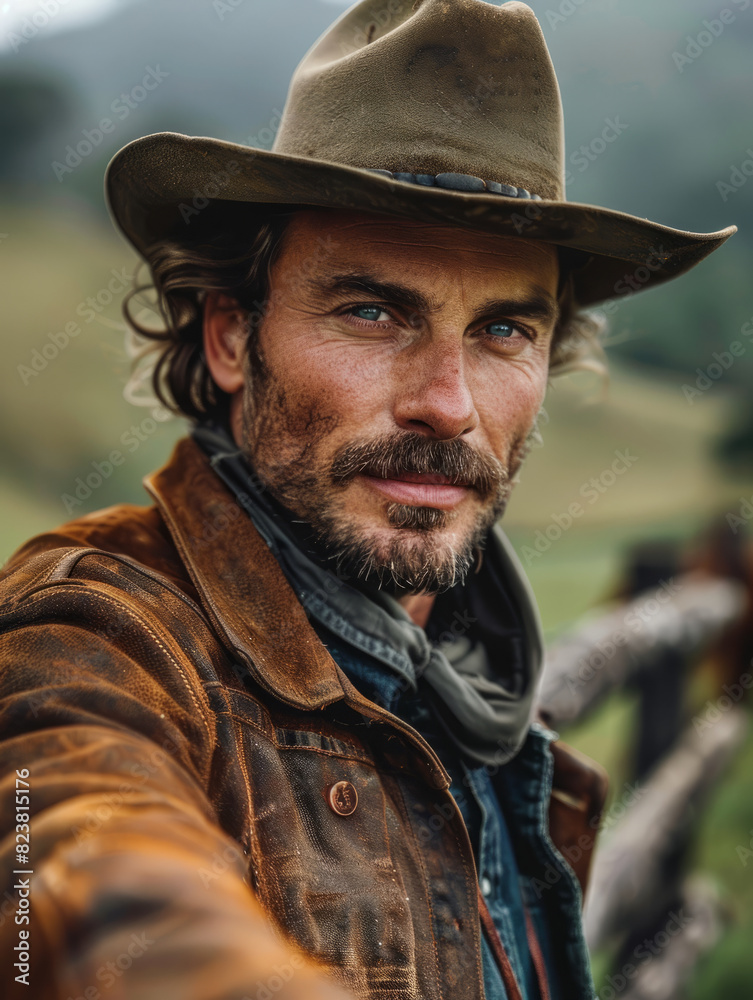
433 396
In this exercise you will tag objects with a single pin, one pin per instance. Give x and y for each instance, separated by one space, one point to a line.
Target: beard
416 550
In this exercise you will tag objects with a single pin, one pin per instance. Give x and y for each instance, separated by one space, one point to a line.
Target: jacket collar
241 584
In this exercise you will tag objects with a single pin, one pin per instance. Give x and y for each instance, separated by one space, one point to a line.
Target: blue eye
370 313
501 329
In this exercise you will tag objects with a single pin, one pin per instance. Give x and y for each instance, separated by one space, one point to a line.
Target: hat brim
154 186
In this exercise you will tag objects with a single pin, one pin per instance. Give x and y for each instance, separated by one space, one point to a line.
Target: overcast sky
49 15
58 15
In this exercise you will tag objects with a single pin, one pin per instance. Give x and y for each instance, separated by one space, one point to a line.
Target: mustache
388 456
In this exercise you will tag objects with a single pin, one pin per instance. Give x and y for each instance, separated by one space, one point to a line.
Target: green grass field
55 423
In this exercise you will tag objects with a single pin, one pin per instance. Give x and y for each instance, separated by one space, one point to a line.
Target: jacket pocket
323 828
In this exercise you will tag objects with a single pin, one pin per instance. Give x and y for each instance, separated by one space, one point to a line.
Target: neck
418 607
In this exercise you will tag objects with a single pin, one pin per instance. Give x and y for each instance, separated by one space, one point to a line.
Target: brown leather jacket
182 726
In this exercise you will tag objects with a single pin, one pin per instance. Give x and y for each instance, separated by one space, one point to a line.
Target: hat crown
454 104
433 86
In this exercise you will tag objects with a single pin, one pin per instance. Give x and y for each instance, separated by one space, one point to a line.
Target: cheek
509 404
327 378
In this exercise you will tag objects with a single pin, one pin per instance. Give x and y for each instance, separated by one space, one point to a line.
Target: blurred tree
735 447
31 104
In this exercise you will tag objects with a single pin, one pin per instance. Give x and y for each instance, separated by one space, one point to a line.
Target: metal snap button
343 798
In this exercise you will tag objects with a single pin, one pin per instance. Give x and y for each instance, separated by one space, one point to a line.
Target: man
277 727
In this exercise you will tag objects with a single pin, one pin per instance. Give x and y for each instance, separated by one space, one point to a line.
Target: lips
422 489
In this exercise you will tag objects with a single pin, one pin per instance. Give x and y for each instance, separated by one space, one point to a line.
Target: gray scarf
481 670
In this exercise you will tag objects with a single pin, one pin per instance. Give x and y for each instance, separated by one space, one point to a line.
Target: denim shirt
500 839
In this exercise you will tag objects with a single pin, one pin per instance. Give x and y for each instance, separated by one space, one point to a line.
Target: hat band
458 182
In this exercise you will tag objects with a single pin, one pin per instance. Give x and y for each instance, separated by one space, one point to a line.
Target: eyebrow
368 284
538 306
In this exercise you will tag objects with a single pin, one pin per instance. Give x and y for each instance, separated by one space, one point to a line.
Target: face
393 387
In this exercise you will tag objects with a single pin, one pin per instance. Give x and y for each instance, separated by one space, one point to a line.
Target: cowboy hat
443 111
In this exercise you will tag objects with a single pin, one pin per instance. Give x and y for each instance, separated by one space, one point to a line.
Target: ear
225 336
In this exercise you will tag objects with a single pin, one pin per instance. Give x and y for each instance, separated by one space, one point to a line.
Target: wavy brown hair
232 248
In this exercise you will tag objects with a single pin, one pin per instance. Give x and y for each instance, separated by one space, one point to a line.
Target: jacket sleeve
130 888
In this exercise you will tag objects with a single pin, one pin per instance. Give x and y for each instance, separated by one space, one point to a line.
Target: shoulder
116 536
99 646
102 604
111 574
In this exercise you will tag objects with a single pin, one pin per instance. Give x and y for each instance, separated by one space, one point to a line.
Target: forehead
323 240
